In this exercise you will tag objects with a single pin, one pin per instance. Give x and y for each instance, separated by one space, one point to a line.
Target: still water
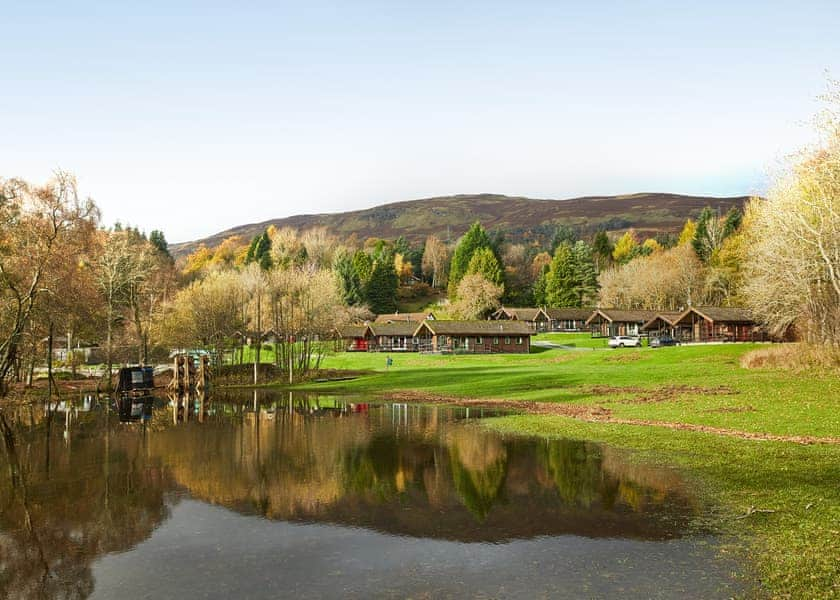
269 495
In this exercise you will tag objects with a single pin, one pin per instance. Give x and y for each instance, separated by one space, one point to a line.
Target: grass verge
795 550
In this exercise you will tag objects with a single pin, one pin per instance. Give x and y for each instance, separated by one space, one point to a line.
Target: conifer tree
475 239
485 263
260 251
586 275
560 284
349 283
381 288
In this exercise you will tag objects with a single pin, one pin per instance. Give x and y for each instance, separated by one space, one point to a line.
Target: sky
193 117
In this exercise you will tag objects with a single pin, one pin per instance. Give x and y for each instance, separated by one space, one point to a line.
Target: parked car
665 340
620 341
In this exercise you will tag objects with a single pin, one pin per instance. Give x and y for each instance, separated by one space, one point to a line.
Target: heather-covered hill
520 218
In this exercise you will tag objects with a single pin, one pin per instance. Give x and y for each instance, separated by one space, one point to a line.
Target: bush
794 357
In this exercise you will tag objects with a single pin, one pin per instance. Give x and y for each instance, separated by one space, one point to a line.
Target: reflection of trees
479 464
55 521
575 469
410 472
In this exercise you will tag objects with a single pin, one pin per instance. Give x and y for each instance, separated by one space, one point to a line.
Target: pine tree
348 280
158 240
585 273
540 288
603 249
381 288
475 239
485 263
362 265
560 284
260 251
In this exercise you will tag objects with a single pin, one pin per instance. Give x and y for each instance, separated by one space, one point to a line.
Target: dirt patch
661 394
601 414
624 358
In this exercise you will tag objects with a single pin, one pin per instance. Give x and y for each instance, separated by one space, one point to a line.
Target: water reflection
102 485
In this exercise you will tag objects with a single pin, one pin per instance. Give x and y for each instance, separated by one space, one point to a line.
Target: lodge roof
622 316
670 318
395 328
568 314
519 313
415 316
476 328
353 331
719 314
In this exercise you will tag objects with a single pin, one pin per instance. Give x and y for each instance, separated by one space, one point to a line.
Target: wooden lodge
474 337
718 324
356 338
608 322
535 318
665 323
567 319
394 336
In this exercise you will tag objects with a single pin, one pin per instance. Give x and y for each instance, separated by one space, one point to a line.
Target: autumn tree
792 250
435 261
34 222
477 297
625 248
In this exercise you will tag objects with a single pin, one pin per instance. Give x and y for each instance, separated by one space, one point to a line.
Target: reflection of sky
206 551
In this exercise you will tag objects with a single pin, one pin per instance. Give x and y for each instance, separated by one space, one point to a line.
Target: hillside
520 218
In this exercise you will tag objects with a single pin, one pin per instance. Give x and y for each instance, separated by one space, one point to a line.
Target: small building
394 336
665 323
415 317
356 338
567 319
719 324
608 322
474 337
535 318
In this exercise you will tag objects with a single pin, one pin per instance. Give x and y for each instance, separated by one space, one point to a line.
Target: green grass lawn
574 340
795 550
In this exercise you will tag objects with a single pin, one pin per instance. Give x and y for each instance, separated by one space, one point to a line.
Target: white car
620 341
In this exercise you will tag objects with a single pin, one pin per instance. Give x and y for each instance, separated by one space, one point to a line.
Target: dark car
665 340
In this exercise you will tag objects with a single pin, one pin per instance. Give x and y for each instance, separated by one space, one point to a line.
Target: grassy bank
795 550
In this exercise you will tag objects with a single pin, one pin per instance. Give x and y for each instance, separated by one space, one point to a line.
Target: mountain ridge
522 218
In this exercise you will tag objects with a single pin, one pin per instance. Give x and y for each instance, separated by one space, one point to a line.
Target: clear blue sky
193 117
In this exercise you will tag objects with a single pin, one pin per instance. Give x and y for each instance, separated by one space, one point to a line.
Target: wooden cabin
474 337
719 324
608 322
535 318
665 323
567 319
394 336
356 338
414 317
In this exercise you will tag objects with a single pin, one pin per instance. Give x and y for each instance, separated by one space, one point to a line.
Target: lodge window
479 340
443 339
507 340
495 341
519 341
